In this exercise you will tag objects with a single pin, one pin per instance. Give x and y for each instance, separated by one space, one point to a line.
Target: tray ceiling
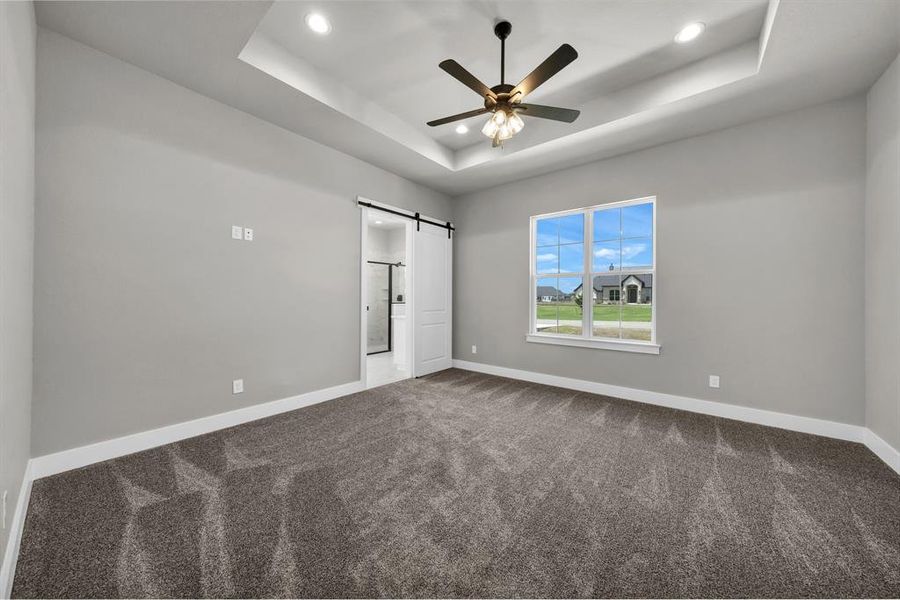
368 87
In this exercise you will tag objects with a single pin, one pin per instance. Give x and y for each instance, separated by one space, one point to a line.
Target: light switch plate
237 386
237 232
714 381
248 234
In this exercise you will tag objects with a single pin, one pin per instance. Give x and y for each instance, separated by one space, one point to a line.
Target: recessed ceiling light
379 222
690 32
318 23
461 129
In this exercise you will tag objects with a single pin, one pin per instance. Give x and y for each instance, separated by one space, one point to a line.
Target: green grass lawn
602 312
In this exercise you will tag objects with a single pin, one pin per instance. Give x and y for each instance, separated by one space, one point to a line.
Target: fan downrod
502 31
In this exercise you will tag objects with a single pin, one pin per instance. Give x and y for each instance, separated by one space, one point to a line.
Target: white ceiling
368 87
388 52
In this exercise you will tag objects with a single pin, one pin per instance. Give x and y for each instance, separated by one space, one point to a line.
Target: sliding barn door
432 281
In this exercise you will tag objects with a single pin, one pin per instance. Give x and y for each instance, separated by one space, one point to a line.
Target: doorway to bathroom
387 332
406 293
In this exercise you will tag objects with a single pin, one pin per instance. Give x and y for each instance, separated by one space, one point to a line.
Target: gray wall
760 265
883 257
145 309
17 65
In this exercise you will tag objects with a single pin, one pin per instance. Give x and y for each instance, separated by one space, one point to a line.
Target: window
608 249
558 267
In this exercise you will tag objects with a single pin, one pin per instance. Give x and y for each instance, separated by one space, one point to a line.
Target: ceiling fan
504 101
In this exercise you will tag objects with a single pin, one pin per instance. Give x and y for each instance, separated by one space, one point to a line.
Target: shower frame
390 305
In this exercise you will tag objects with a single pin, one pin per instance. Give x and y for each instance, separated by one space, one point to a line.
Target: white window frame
586 339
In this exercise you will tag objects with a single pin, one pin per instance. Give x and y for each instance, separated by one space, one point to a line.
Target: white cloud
628 251
546 256
632 250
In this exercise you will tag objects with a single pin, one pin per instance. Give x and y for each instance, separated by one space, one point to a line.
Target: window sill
620 345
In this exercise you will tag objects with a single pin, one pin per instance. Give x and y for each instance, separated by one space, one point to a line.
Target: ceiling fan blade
457 71
555 113
459 117
552 65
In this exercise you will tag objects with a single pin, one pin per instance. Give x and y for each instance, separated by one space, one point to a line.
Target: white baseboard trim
842 431
50 464
16 527
832 429
882 449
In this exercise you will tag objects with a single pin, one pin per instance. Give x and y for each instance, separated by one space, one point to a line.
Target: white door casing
433 292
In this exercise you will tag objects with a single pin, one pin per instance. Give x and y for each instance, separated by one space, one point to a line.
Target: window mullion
587 284
532 303
621 279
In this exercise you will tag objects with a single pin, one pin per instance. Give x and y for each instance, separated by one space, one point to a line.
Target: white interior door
432 282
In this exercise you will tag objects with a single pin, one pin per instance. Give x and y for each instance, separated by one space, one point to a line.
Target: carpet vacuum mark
463 484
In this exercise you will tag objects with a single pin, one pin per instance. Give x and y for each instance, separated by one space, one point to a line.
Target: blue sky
622 238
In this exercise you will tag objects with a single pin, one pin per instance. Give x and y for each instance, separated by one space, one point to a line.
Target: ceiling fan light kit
504 101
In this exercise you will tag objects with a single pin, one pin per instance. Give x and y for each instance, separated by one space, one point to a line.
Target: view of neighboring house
632 289
547 293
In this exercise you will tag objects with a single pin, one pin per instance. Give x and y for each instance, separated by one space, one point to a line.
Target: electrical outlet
474 349
248 234
3 510
714 381
237 386
237 232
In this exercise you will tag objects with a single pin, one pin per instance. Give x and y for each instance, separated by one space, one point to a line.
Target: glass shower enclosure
386 283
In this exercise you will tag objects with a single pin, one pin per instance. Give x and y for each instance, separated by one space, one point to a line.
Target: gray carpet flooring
462 484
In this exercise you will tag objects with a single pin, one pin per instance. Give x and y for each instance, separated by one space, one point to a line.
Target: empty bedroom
450 299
